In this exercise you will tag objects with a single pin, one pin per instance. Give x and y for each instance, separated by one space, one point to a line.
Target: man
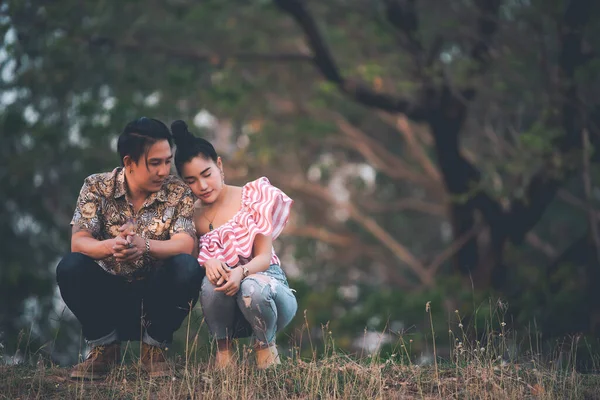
130 274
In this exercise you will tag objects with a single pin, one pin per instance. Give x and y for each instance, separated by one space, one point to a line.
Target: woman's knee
254 291
287 306
208 294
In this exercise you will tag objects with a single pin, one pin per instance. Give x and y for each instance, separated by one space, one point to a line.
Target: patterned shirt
103 206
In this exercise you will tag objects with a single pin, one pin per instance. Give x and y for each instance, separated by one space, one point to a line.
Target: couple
143 250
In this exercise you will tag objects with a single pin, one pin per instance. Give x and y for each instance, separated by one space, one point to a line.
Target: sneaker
154 362
98 363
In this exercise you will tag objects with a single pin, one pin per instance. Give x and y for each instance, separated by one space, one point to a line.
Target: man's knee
71 265
186 270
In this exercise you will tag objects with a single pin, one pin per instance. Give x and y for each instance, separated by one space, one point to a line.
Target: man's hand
233 284
217 271
128 249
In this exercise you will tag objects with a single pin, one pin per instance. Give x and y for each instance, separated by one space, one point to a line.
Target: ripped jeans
263 306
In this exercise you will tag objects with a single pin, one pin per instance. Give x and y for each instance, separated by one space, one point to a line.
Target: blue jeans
263 306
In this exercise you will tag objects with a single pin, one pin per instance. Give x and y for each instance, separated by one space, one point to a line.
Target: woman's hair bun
181 133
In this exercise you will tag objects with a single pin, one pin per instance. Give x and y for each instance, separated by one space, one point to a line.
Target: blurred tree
484 149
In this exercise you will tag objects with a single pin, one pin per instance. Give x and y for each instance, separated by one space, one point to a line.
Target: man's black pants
105 303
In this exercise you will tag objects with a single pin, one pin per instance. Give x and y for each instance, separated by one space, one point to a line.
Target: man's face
151 177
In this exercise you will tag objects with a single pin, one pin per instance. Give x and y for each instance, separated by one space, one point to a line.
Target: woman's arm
262 259
263 246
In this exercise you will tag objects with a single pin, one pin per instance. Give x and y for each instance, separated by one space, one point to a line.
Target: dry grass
474 369
334 377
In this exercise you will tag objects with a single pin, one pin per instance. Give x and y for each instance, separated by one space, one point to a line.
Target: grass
480 368
334 376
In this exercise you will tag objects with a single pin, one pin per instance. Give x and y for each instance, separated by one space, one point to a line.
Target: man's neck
136 194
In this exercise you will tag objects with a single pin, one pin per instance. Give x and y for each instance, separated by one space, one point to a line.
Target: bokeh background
441 151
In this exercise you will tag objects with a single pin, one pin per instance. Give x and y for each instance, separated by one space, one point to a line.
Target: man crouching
130 274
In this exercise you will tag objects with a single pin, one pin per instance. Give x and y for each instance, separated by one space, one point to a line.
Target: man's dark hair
139 135
190 146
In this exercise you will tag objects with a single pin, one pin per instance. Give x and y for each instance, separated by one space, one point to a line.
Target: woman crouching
245 291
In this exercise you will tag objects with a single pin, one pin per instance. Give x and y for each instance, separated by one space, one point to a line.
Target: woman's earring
223 177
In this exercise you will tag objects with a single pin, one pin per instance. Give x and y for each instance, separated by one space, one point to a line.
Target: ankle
267 356
224 358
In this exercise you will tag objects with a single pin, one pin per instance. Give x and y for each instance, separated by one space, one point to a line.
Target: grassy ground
485 368
333 376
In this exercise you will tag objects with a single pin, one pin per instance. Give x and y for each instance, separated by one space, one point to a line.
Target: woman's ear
219 163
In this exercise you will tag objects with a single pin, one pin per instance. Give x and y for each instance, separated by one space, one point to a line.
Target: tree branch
402 125
451 250
544 185
324 61
567 197
537 243
406 204
369 224
487 25
380 157
321 234
190 53
402 15
587 185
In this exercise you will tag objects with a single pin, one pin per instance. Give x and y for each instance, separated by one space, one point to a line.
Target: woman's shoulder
259 188
263 181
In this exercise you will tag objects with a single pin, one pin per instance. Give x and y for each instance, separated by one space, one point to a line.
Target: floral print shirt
103 206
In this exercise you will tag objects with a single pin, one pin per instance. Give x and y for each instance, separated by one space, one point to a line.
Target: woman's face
204 177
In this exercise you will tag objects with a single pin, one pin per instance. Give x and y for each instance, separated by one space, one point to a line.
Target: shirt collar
121 190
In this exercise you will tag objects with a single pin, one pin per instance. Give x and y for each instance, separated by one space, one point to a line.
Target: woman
245 291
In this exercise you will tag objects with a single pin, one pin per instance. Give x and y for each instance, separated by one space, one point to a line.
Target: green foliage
74 73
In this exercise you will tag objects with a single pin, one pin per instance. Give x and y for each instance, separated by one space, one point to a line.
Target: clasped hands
226 279
128 246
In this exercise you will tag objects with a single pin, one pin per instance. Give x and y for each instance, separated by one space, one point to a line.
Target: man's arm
87 223
83 242
180 243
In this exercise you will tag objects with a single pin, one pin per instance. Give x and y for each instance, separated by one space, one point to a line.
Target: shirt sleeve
88 209
267 208
184 222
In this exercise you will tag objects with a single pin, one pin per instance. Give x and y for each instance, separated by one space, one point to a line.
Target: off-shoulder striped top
264 209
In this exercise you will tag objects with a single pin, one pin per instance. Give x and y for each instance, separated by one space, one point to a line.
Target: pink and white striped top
265 209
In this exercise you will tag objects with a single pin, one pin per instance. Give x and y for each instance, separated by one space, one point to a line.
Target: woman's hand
217 271
233 284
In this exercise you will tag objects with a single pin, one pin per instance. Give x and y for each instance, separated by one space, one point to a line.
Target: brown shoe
98 363
154 361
